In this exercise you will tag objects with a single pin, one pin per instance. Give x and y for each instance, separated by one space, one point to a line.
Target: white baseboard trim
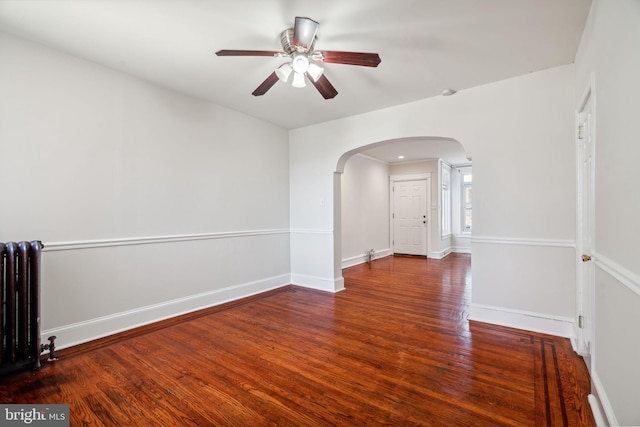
439 255
318 283
519 319
596 410
600 405
89 330
361 259
461 250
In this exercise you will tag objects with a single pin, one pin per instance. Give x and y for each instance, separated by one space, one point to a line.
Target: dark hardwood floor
394 349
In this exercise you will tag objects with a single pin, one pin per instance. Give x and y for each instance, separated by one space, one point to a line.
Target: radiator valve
51 347
370 255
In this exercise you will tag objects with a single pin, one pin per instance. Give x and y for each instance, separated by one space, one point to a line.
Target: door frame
410 177
585 292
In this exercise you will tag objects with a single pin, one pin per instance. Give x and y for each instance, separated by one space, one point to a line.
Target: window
466 205
445 175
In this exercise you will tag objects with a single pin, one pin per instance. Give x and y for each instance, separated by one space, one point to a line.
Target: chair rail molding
554 243
128 241
618 272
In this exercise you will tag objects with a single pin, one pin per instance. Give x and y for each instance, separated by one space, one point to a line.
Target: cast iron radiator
20 305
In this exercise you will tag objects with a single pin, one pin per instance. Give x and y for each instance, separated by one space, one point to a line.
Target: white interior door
409 216
586 229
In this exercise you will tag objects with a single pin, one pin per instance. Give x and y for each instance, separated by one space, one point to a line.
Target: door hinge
581 322
580 129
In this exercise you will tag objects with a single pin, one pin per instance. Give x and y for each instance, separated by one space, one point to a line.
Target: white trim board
81 332
373 159
441 254
600 404
520 319
461 250
410 177
318 283
361 259
310 231
127 241
524 241
618 272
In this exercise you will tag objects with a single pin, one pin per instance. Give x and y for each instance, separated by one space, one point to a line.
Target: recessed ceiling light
448 92
401 157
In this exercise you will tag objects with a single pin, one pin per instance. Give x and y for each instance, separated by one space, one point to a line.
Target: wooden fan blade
324 86
350 58
247 53
304 32
266 85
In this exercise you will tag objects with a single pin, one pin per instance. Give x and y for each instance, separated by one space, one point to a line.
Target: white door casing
410 215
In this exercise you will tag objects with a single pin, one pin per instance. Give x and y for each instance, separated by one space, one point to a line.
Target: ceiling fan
298 45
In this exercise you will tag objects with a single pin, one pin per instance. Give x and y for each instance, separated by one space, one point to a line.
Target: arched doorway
364 216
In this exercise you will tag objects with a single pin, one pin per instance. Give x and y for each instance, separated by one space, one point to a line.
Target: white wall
609 49
520 135
149 203
365 209
411 168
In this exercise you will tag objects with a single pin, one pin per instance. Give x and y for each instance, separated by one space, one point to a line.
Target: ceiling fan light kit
284 71
315 71
298 44
298 80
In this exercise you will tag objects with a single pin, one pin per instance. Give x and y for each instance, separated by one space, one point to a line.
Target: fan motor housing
286 39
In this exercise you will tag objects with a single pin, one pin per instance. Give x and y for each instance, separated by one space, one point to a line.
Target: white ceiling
416 149
426 46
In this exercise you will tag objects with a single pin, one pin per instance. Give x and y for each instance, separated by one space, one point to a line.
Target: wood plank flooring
395 348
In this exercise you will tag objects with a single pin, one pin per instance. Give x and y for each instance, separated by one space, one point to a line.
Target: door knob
586 258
